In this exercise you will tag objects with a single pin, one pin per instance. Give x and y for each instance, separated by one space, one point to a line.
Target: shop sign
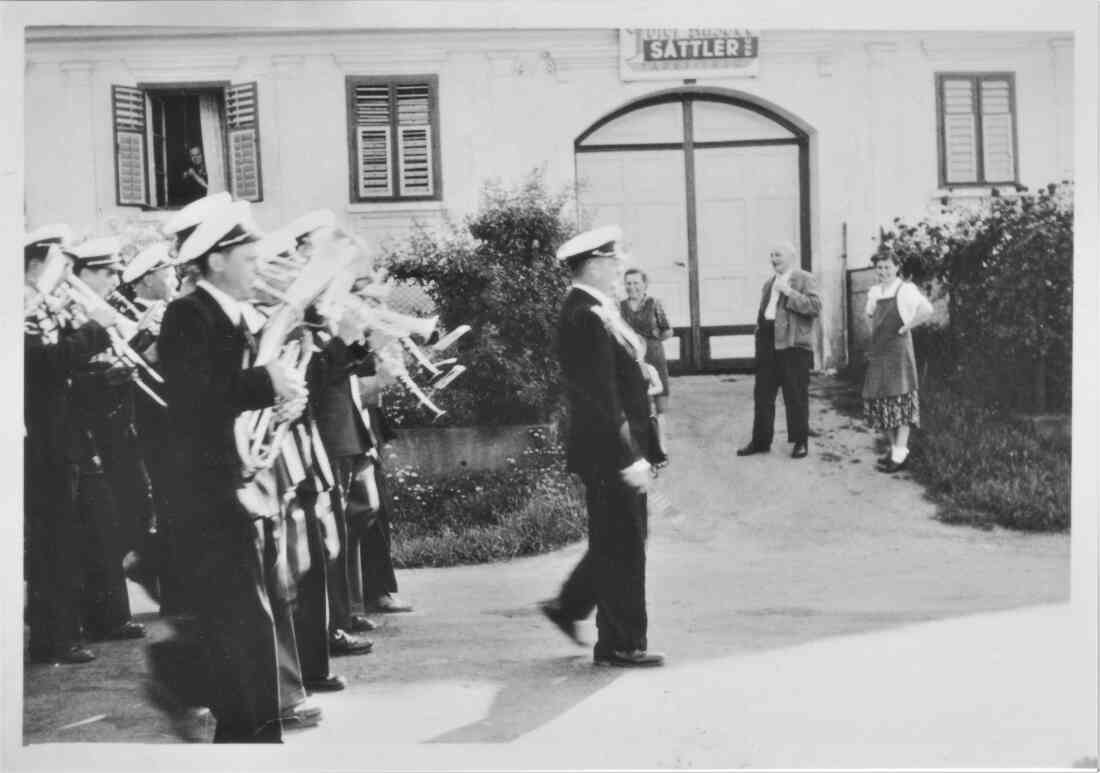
652 54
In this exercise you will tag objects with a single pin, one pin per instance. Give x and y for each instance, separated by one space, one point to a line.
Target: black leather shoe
361 623
799 451
892 466
72 654
751 449
330 683
304 715
630 659
343 643
128 630
566 625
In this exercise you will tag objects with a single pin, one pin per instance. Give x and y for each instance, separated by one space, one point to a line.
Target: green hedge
1007 270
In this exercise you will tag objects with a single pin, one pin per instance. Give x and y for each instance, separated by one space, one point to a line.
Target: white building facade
707 146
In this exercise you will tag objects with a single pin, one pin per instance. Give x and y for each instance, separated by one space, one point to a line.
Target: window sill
395 207
976 192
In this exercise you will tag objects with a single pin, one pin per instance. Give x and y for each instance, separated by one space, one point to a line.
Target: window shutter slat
375 164
131 170
997 148
415 157
243 141
960 137
390 137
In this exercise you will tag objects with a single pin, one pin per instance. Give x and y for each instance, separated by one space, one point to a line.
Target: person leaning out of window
890 399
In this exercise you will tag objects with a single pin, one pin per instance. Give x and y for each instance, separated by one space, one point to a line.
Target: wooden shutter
998 135
960 131
414 139
131 169
242 131
373 141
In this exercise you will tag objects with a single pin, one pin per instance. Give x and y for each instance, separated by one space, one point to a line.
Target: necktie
249 342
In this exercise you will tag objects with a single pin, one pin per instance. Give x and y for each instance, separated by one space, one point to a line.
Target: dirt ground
746 556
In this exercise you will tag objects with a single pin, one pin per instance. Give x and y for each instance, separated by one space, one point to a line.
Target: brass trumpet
294 284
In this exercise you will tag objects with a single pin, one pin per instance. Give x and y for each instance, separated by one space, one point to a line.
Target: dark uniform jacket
338 419
605 389
48 370
201 354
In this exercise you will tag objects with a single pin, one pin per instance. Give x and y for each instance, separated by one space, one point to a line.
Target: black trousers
52 555
786 369
371 532
343 567
237 577
106 602
311 611
611 575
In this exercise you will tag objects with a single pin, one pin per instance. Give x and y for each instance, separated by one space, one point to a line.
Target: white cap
226 226
149 259
186 219
309 222
275 243
97 253
58 233
598 243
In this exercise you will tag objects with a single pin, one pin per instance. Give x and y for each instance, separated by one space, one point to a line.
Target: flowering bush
497 273
530 507
1006 267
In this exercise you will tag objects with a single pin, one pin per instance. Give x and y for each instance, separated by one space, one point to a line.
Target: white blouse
910 299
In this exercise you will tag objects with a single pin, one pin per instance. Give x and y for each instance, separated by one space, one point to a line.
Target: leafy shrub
496 272
1007 269
474 517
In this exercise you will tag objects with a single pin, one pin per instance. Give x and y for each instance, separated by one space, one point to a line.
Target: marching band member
51 451
309 517
330 376
150 281
114 495
609 448
228 521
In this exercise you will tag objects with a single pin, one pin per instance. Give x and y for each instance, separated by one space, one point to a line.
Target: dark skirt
895 411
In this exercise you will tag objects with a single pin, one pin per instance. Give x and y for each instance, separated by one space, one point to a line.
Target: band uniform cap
226 226
148 260
308 223
598 243
101 252
275 243
57 233
194 213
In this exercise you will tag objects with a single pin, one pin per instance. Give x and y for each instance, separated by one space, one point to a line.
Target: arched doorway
702 182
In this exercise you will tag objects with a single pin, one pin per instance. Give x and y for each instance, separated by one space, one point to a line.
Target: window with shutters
175 143
393 138
977 129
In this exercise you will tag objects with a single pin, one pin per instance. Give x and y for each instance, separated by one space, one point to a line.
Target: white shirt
910 299
230 305
785 277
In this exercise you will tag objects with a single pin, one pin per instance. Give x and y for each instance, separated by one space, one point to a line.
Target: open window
174 144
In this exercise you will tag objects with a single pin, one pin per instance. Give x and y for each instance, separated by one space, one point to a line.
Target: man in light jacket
789 306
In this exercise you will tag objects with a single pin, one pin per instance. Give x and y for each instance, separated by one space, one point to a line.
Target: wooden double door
702 186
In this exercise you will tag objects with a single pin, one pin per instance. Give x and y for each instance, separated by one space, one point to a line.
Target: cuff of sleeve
639 466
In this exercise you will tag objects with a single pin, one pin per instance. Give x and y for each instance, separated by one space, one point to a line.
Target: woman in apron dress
890 398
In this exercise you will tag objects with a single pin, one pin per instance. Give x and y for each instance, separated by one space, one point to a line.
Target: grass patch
982 467
476 517
985 468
